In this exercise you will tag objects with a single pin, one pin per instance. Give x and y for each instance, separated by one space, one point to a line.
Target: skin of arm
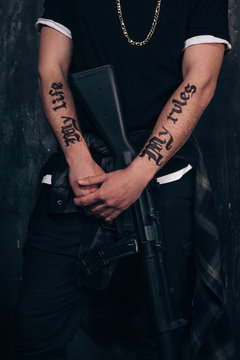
119 189
55 54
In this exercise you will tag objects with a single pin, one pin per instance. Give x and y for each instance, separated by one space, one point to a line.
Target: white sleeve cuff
206 39
55 25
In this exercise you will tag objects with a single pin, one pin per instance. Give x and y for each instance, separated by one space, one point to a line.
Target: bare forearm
174 126
60 111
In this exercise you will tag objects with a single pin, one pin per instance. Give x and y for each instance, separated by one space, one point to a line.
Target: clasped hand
111 193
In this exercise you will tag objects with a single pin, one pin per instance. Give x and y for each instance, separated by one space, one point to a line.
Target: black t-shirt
147 75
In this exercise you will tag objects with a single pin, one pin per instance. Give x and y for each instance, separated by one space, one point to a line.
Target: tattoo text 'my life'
58 96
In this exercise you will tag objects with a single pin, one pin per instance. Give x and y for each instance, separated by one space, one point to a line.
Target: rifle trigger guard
103 258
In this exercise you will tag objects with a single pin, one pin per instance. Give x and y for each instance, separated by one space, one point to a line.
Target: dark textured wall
26 141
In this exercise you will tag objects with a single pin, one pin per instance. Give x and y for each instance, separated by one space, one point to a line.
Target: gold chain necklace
151 31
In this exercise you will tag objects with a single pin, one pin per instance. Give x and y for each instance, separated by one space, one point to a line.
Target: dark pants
52 306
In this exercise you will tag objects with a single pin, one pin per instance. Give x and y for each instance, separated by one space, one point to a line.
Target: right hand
80 170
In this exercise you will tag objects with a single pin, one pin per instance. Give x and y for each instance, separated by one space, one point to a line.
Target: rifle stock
97 91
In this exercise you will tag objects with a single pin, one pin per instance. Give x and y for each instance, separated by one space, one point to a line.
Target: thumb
92 180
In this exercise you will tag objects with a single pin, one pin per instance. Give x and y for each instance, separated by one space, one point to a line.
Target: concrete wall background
26 142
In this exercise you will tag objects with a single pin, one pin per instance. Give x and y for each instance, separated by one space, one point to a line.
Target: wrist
143 170
77 154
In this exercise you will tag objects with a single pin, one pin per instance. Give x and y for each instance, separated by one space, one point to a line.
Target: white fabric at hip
47 179
173 176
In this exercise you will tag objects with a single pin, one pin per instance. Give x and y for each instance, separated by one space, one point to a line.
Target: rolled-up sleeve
208 23
56 15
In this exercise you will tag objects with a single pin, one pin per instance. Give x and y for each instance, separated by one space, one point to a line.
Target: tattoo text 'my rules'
164 140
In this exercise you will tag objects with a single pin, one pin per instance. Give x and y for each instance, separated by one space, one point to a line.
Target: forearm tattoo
70 131
185 95
164 139
58 96
156 144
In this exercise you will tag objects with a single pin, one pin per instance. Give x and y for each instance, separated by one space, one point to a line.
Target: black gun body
97 92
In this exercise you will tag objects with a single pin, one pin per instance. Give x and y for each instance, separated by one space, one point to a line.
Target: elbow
39 79
205 85
44 72
44 75
204 81
207 88
48 73
201 65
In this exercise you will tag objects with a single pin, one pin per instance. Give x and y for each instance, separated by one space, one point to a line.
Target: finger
110 217
92 180
95 209
87 200
89 214
99 211
101 216
106 213
82 191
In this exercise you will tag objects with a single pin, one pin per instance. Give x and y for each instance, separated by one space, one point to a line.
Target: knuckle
109 203
101 195
101 214
80 202
105 214
77 202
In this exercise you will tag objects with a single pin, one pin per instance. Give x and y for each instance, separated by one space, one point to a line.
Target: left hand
118 190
